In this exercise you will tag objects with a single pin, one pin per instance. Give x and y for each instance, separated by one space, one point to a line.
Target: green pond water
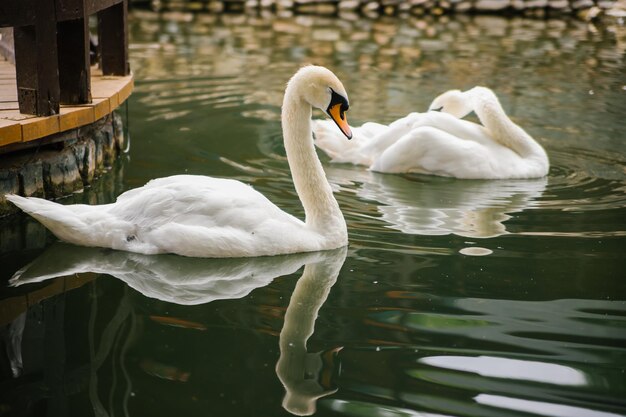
454 297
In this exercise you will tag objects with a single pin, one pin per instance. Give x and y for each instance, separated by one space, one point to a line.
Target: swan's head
322 89
454 102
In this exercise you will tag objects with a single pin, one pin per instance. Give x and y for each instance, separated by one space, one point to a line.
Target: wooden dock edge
108 93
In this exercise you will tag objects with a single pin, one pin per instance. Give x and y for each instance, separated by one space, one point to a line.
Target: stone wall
394 7
64 164
24 235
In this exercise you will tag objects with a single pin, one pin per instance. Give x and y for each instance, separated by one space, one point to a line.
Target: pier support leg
36 63
113 40
74 79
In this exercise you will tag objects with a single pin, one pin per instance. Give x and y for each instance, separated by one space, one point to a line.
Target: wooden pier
53 76
59 86
16 129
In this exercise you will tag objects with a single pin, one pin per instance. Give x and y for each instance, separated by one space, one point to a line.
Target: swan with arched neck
440 142
201 216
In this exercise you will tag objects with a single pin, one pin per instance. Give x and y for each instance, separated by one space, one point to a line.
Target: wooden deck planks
108 93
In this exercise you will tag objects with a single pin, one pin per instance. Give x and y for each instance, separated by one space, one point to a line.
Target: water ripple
173 99
585 180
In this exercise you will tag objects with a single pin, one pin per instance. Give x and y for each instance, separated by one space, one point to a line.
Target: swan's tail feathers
63 221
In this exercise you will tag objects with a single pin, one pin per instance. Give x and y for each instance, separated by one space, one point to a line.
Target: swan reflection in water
171 278
306 376
428 205
193 281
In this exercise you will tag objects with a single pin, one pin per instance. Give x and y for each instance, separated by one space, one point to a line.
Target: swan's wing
204 216
371 129
461 129
432 151
387 137
196 200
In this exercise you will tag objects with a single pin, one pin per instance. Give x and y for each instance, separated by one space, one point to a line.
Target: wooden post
36 63
113 40
74 74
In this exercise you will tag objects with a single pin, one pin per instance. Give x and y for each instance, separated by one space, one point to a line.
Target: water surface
454 298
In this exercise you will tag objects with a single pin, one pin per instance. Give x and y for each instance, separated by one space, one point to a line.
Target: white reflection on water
435 206
539 407
170 278
476 251
307 376
495 367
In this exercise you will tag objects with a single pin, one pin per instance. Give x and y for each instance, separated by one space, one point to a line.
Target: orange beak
339 117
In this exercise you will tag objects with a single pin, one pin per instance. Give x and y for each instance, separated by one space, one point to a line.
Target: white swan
211 217
441 143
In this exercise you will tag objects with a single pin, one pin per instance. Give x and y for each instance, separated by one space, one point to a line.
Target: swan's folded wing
209 217
431 151
196 201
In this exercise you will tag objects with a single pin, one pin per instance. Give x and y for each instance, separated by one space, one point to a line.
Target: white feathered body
184 214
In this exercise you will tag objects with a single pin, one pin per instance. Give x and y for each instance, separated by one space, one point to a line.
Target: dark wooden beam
17 13
22 12
74 62
36 63
75 9
69 9
94 6
113 40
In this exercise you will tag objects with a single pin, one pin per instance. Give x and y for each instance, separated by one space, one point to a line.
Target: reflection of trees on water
390 66
354 9
471 345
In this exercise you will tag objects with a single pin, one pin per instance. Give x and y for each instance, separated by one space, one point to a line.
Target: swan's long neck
492 116
321 208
